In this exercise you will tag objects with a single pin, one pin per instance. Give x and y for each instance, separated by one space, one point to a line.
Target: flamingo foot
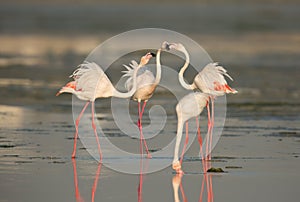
73 154
177 167
149 156
180 172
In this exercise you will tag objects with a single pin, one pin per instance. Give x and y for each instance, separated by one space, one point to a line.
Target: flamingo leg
176 165
95 131
200 143
186 141
212 126
76 129
139 126
94 188
207 153
141 111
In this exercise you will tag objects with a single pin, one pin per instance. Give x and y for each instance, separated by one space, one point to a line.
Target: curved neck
182 70
158 68
132 90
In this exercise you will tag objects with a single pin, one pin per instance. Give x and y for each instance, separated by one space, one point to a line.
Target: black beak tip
153 54
166 46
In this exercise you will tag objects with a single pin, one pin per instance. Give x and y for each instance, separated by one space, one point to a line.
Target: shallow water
259 154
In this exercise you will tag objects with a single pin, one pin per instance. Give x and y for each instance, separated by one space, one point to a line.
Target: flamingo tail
68 88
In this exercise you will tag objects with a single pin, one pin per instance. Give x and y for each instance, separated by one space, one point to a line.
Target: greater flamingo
210 80
90 82
188 107
146 85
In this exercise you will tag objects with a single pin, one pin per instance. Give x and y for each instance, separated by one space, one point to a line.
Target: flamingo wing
144 76
212 80
91 81
129 73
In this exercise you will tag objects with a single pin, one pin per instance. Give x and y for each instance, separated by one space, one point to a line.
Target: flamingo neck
158 68
132 90
182 70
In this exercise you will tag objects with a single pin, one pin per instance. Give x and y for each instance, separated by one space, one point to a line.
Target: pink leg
139 125
95 132
144 140
141 111
208 131
76 128
200 143
94 188
212 126
186 140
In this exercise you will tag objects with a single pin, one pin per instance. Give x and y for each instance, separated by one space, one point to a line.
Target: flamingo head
145 59
169 46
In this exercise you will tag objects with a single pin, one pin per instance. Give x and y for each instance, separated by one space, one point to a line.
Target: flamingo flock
90 82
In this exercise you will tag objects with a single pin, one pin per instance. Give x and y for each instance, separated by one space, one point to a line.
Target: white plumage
211 80
188 107
144 76
146 83
91 82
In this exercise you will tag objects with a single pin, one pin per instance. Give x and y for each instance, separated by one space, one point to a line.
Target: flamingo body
145 83
210 80
188 107
90 83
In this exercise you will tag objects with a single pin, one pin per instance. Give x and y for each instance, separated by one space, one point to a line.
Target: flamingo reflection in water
143 169
94 188
206 180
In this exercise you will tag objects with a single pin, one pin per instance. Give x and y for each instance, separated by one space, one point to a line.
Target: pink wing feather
211 80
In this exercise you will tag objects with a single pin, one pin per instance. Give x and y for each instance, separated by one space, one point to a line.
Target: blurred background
42 42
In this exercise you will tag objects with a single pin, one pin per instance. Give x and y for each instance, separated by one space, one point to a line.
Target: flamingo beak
169 46
165 46
153 54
